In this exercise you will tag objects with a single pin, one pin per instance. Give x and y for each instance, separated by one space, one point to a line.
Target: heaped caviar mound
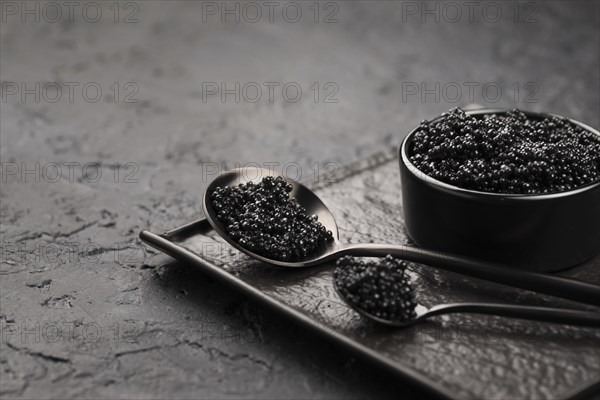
508 153
264 219
380 288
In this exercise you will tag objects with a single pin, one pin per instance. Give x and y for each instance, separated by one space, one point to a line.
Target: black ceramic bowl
532 232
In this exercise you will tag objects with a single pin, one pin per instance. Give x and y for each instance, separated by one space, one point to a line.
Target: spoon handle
538 282
557 315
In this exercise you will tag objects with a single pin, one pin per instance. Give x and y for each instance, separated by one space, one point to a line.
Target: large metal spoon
547 314
542 283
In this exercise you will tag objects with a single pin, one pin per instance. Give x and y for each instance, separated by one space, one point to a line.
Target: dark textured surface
70 253
509 358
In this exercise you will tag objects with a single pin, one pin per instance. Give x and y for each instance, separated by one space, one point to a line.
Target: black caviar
264 219
381 288
507 153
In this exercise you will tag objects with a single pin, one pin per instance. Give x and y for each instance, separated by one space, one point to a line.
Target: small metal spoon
542 283
548 314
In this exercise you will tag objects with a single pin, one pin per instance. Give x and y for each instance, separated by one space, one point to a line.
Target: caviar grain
507 153
381 288
264 219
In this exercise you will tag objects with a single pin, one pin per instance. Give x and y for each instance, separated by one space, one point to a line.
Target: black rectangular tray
459 356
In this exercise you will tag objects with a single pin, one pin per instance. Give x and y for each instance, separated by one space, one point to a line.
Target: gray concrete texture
115 123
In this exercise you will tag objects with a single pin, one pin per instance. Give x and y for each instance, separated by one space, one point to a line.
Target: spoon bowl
542 283
306 197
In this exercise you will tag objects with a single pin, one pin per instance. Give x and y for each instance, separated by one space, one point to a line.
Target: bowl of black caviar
514 187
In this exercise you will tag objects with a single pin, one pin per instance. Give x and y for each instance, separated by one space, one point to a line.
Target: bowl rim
491 195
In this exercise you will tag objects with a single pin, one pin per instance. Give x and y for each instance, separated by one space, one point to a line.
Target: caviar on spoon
382 291
330 248
264 219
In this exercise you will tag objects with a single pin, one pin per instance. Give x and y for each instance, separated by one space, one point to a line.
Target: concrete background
110 123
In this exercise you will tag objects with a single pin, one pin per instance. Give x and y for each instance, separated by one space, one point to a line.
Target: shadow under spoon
537 282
